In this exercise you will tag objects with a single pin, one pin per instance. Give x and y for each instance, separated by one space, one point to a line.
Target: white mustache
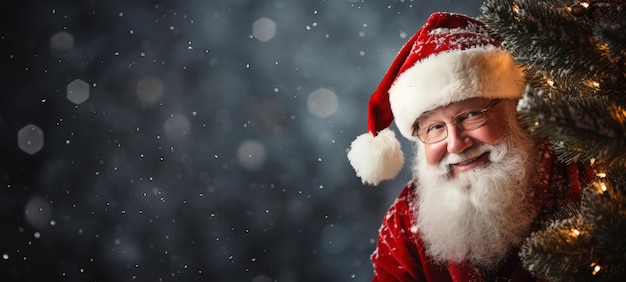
467 156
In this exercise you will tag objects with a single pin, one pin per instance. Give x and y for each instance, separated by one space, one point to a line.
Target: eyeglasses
469 120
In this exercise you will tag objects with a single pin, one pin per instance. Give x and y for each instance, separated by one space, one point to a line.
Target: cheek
490 134
435 152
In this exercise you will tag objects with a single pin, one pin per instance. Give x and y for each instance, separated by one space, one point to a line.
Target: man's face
475 189
460 140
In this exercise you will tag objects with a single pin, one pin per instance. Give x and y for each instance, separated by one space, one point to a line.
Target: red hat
451 58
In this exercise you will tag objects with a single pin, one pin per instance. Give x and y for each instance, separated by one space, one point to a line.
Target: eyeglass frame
483 111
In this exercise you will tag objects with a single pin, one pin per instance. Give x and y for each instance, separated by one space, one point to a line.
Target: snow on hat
450 59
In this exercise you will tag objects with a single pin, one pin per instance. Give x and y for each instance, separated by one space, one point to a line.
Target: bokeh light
251 155
77 91
264 29
30 139
322 102
38 212
61 44
149 90
177 127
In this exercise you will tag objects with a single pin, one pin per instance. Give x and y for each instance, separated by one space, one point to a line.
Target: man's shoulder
400 215
405 201
407 194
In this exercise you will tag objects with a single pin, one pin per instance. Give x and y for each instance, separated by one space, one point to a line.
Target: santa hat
450 59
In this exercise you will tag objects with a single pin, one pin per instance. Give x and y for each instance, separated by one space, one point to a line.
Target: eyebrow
423 116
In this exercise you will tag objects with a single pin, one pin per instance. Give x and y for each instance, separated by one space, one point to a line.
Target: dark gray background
236 172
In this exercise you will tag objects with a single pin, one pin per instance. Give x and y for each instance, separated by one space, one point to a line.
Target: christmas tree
574 54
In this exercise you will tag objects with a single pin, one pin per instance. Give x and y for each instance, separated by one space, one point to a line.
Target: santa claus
481 182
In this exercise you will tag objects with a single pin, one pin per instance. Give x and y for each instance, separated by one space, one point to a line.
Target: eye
435 127
473 114
468 115
429 129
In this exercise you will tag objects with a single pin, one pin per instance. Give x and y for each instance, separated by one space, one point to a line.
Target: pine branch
574 54
611 31
582 243
581 128
548 252
574 57
607 212
550 39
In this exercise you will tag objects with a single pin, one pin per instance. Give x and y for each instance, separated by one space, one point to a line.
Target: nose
457 140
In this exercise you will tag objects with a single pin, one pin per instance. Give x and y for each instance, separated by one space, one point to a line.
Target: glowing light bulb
596 268
516 13
515 9
593 84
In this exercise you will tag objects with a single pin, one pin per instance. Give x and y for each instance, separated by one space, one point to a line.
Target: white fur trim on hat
448 77
376 158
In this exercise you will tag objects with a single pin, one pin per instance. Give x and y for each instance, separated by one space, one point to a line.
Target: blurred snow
193 140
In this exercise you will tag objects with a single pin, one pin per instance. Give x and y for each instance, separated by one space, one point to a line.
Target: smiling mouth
469 161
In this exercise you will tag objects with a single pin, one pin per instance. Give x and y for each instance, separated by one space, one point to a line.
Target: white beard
479 216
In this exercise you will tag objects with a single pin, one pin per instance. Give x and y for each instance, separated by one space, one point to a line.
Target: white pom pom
375 159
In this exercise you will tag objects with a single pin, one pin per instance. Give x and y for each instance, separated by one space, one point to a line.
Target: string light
621 114
575 232
516 12
601 187
596 268
578 9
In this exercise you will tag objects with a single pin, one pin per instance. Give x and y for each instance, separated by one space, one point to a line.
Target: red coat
400 255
